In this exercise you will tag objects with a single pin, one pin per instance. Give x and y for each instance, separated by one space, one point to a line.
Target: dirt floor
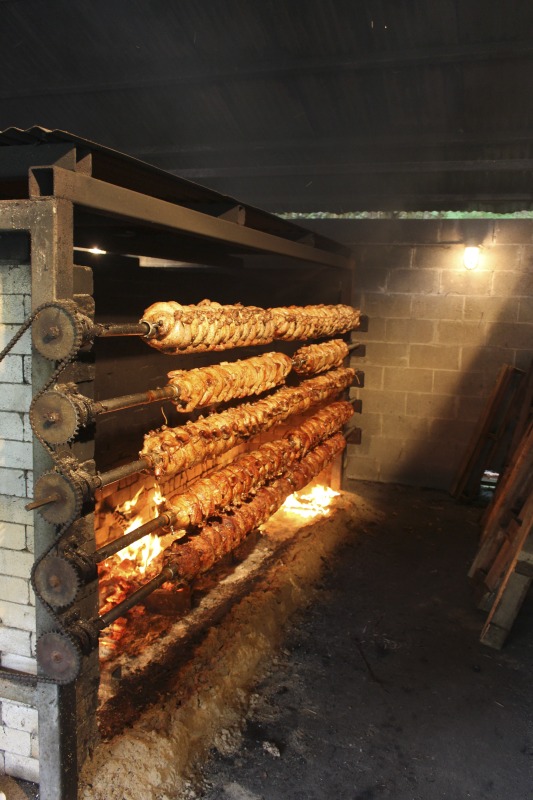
382 689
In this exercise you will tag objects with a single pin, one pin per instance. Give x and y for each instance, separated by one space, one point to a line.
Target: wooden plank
512 592
491 426
497 628
514 585
526 411
512 483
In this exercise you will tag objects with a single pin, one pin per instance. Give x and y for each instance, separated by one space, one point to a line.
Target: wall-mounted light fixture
471 256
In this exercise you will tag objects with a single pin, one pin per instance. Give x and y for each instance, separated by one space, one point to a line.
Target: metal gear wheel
68 502
59 656
57 330
56 581
55 417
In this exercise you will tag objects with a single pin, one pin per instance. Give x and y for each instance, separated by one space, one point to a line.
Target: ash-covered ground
382 689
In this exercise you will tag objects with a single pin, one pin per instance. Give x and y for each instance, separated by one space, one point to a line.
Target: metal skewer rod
104 330
167 574
44 501
138 399
113 475
352 434
133 536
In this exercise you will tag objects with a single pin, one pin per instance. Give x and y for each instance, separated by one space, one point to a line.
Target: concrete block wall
437 337
18 721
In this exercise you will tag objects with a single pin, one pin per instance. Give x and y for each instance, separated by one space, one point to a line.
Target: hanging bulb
471 257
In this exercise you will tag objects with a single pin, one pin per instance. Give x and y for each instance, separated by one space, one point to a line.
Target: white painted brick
14 590
12 536
17 615
20 663
15 279
27 431
27 369
11 425
11 369
23 346
12 510
2 763
20 717
16 455
15 397
14 741
13 482
34 752
17 563
30 539
29 483
15 642
12 309
27 305
27 769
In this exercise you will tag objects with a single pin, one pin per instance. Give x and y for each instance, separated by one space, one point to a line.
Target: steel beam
126 204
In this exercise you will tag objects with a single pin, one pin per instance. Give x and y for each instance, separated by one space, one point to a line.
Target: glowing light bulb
97 251
471 257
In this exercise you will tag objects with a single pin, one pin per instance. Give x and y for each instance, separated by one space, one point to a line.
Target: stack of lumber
503 567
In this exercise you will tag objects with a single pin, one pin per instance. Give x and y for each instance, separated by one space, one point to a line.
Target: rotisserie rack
214 513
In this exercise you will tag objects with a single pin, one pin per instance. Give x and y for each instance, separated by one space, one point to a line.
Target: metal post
51 231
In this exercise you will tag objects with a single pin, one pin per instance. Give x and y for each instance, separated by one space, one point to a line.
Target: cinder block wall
18 730
437 336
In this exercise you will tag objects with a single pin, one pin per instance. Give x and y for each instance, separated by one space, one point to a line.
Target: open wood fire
127 570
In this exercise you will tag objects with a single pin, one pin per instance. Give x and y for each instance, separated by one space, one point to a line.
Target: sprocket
56 581
55 417
68 502
58 330
60 656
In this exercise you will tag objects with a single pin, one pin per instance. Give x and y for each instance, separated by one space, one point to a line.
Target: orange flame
315 502
142 552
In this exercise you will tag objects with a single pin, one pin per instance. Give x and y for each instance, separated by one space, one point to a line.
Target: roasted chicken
211 326
248 472
171 450
196 555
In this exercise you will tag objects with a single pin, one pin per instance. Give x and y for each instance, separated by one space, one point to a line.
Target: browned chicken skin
211 326
248 472
171 450
195 556
319 357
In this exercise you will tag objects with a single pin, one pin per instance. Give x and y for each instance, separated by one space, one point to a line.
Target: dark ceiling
314 105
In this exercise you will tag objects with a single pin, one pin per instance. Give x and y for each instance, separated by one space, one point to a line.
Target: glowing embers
129 566
311 503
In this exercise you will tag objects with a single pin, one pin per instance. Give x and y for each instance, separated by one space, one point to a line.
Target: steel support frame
48 217
123 203
49 224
